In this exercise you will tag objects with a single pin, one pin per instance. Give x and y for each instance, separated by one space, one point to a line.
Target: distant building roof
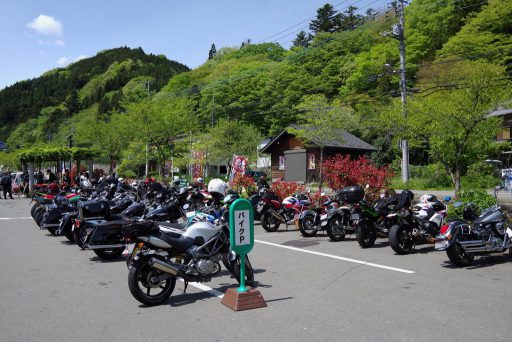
500 112
347 141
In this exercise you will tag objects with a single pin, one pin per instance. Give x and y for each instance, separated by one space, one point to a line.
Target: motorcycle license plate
441 245
355 216
128 250
323 217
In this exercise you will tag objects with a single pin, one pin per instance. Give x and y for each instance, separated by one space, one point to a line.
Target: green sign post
241 226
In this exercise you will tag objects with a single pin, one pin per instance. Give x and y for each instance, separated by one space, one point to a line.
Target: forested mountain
99 79
344 60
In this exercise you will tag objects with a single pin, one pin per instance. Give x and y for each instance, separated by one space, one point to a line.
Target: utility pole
147 147
401 38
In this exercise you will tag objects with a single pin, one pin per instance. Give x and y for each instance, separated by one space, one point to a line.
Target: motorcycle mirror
186 206
457 204
367 186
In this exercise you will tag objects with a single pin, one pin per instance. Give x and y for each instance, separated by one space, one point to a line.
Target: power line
302 22
305 27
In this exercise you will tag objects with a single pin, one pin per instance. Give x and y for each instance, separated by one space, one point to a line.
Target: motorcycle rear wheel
366 234
457 255
307 226
335 228
401 239
109 254
269 222
79 236
140 282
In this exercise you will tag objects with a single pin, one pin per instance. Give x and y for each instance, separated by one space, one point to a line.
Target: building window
505 133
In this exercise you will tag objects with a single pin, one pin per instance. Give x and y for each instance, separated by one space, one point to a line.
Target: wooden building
293 160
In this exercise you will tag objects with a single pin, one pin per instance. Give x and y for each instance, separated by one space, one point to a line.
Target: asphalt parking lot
316 290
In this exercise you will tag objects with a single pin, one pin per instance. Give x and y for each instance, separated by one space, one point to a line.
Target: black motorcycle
490 232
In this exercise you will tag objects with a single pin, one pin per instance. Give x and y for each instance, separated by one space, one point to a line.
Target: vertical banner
239 166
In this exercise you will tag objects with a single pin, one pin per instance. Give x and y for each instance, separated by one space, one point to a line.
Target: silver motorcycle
162 252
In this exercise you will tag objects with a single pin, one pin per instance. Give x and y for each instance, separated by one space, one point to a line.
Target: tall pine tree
213 51
303 39
327 20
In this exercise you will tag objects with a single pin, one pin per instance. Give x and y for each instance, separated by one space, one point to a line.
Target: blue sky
39 35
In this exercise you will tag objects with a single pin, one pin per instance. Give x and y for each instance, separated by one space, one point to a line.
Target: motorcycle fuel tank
201 229
490 215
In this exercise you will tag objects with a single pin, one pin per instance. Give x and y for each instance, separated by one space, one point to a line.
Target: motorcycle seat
180 243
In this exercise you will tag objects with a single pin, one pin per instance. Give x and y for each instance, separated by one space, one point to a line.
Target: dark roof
346 141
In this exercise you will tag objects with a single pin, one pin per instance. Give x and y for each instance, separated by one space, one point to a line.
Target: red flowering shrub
243 181
340 171
317 198
285 189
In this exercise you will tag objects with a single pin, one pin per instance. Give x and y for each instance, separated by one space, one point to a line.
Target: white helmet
217 186
120 180
176 178
428 199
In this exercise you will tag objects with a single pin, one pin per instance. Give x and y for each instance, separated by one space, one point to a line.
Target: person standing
6 186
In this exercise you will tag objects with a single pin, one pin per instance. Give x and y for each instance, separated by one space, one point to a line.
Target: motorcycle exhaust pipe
163 266
473 243
277 216
105 246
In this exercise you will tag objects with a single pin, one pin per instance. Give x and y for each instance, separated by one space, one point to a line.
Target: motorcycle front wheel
307 225
457 255
249 271
336 228
141 282
366 234
401 239
269 222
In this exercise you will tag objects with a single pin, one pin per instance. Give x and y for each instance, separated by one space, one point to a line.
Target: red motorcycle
273 212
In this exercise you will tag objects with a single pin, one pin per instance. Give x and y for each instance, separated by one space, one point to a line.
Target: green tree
322 122
72 102
229 138
158 123
455 119
327 20
212 52
303 39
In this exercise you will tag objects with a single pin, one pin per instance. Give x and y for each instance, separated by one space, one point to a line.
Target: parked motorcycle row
167 233
394 217
160 230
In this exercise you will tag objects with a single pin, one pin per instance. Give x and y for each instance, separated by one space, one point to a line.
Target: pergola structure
55 154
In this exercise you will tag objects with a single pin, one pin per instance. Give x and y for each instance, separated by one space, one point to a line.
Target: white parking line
15 218
337 257
205 288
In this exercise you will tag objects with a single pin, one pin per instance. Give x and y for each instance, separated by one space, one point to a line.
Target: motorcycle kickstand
186 285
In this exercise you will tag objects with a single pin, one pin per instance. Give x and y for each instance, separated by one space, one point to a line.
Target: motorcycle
488 233
370 221
313 220
99 230
422 224
273 212
161 254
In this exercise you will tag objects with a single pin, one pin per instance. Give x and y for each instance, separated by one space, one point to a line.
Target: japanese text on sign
242 228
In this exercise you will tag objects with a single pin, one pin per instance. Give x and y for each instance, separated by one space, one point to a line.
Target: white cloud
46 25
64 61
58 42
